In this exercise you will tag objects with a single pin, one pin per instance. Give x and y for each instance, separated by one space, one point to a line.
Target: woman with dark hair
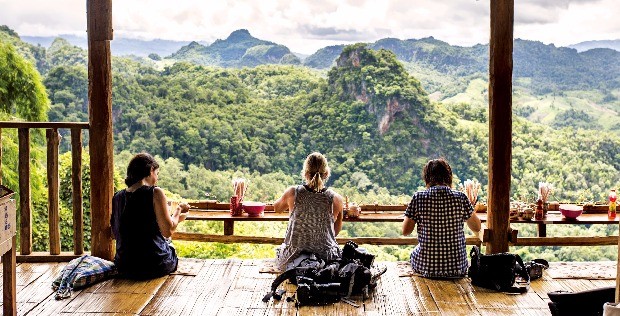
315 215
439 213
142 225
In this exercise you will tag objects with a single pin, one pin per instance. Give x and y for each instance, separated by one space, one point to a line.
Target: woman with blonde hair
315 214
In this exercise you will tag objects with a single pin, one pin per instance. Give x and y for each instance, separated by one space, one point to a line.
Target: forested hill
238 50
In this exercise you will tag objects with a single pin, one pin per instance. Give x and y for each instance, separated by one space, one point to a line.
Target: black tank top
142 252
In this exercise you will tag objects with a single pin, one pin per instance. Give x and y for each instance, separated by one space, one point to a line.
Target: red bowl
571 211
253 208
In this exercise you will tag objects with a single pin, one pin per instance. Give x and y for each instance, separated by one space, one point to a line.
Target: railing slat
25 231
77 197
10 124
53 140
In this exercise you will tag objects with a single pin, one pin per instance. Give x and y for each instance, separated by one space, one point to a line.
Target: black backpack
498 271
321 283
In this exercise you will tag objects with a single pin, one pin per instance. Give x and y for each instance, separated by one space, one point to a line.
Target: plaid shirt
439 213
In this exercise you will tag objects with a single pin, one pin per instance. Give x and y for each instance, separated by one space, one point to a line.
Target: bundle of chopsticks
471 190
544 190
239 188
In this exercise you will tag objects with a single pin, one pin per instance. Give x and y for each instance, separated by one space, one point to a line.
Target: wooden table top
551 218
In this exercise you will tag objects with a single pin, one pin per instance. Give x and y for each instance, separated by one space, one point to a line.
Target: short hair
139 168
437 172
316 171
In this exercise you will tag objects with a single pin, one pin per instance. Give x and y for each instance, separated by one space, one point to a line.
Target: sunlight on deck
235 287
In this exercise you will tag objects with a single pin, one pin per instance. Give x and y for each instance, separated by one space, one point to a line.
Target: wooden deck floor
235 287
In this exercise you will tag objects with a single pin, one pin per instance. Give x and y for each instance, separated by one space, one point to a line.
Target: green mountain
240 49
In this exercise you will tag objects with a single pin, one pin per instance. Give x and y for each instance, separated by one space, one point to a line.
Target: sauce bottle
611 214
539 213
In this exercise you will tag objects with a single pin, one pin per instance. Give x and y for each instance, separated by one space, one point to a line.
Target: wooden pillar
76 195
25 214
99 27
500 122
53 183
9 281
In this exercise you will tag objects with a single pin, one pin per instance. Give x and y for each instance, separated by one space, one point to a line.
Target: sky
307 25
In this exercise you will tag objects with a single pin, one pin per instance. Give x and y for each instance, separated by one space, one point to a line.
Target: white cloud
307 25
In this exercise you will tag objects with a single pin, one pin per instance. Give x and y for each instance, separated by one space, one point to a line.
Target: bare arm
408 226
286 202
473 222
167 224
337 209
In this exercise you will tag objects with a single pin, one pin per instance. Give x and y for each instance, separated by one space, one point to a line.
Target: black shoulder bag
498 271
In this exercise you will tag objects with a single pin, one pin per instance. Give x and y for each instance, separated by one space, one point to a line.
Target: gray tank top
310 227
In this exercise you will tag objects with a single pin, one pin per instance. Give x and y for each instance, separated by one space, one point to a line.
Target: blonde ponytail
316 183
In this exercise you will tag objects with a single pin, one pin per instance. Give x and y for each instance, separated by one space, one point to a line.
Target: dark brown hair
139 168
437 172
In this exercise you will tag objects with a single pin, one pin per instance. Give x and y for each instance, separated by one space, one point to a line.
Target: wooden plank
278 240
76 195
567 241
9 281
39 257
500 122
43 125
53 183
100 140
25 232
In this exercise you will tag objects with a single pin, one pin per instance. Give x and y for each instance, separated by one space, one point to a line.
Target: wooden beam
43 125
406 241
500 122
25 214
567 241
229 227
76 194
99 20
38 257
9 281
53 140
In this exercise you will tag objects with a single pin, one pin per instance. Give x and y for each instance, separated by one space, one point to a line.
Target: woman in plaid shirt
439 212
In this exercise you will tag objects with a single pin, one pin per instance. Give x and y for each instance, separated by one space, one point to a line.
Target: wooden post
53 140
1 156
99 27
618 274
9 282
76 196
229 227
25 231
500 122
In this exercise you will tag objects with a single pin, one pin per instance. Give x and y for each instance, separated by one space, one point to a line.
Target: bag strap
274 285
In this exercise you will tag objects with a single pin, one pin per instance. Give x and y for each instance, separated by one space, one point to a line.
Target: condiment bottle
539 214
345 211
611 214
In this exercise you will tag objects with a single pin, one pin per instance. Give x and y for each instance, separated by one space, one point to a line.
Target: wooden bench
7 250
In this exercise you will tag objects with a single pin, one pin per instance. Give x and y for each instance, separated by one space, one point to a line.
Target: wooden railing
213 211
25 203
